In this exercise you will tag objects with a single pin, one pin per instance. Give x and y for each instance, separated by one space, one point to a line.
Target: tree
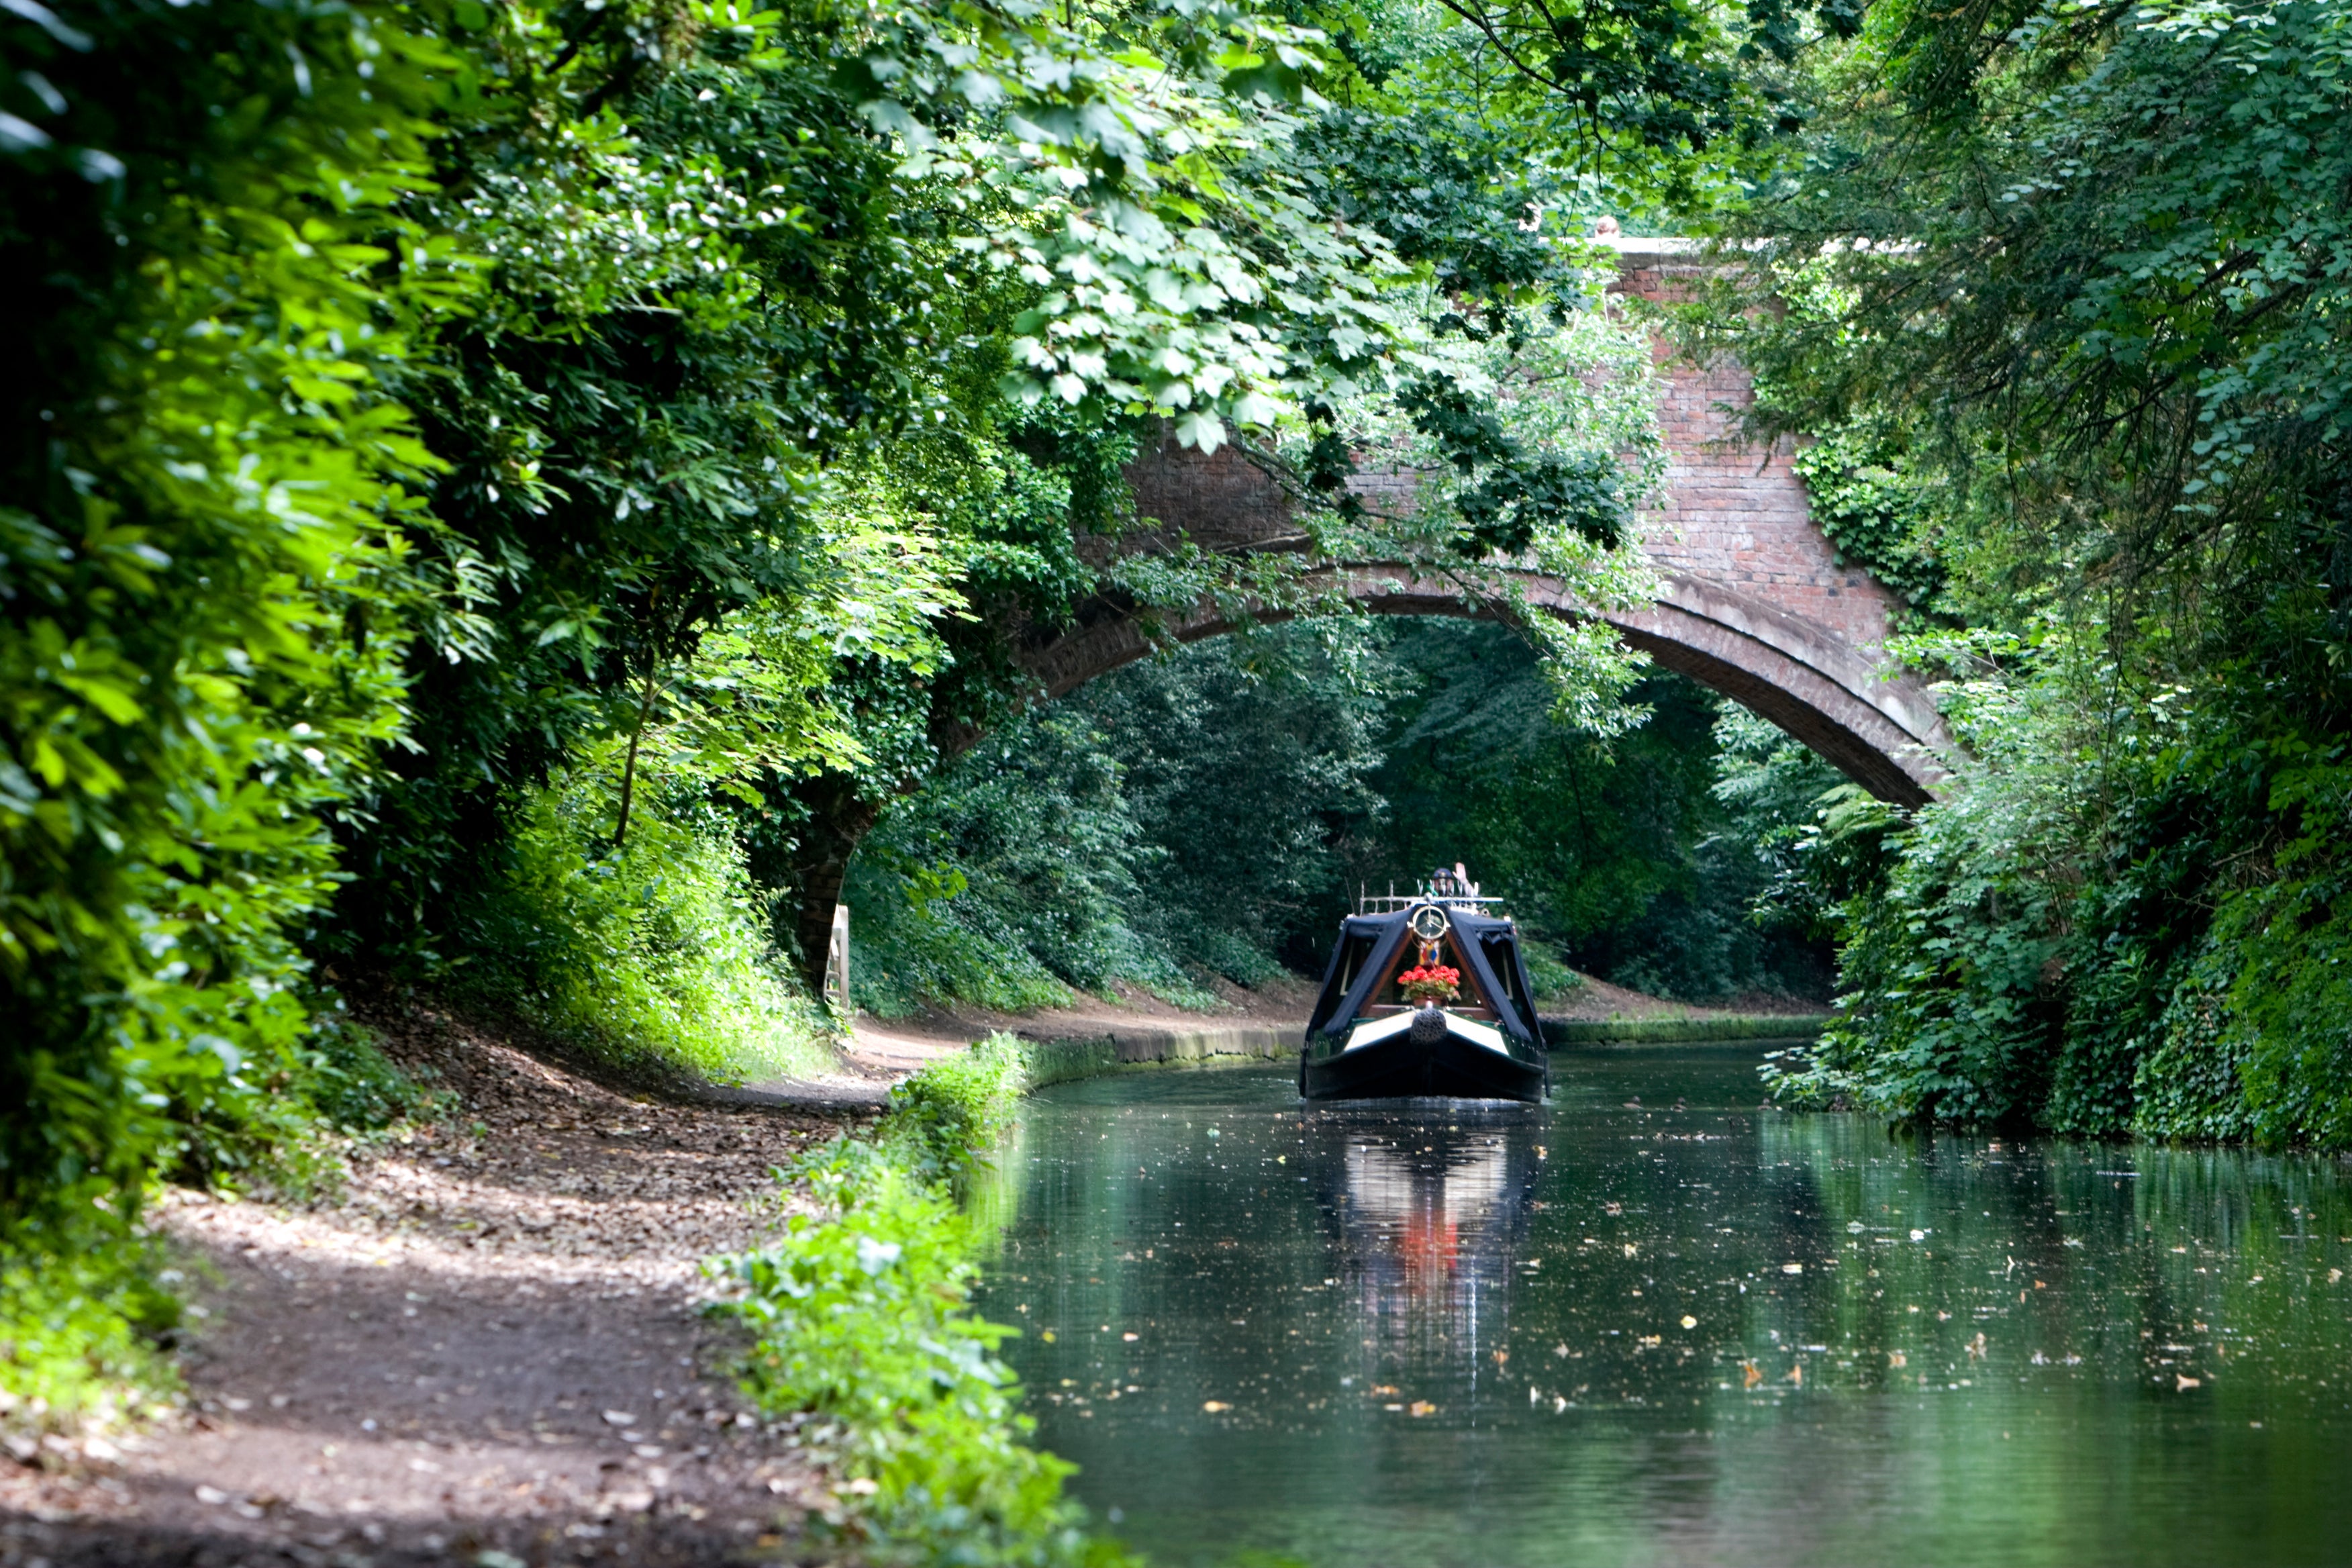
2082 275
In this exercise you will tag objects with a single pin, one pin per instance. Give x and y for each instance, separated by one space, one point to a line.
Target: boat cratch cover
1366 1041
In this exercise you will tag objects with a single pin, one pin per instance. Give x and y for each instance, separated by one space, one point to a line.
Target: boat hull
1451 1064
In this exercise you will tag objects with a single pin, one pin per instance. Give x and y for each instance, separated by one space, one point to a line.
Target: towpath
488 1353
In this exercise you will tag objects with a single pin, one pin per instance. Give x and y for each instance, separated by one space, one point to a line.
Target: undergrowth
81 1332
657 951
860 1313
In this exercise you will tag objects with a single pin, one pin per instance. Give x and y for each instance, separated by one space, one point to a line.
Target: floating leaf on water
1689 1322
1897 1358
2182 1381
1793 1268
1214 1406
1423 1407
1750 1375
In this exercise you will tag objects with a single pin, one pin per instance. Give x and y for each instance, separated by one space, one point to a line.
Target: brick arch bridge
1754 602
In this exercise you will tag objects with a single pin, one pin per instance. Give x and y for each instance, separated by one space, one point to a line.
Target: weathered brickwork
1753 602
1735 513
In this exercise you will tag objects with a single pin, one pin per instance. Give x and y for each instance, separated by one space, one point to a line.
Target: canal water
1650 1322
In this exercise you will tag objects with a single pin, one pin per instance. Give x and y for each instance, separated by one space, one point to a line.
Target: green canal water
1685 1331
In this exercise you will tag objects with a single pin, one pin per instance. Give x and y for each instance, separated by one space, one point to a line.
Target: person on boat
1451 882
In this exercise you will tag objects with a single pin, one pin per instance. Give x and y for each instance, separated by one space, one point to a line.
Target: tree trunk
808 874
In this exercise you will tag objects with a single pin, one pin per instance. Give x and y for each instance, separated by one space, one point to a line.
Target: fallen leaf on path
620 1419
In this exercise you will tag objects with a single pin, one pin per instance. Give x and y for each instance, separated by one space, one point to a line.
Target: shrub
657 953
860 1316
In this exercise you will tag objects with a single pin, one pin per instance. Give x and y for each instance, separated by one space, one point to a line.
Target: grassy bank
860 1318
1563 1033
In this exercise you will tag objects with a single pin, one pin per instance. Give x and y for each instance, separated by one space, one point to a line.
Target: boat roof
1489 947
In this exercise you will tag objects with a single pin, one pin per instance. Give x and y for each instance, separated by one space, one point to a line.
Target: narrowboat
1428 996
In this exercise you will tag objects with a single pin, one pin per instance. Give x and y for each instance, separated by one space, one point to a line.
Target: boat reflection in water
1430 1214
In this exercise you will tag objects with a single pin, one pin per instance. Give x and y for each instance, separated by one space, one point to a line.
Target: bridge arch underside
1881 732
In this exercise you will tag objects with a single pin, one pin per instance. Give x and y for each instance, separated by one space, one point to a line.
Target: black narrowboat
1430 997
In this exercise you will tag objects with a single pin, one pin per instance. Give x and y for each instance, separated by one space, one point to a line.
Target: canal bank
1135 1033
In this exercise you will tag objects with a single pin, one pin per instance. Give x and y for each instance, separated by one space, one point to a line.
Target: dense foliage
2067 295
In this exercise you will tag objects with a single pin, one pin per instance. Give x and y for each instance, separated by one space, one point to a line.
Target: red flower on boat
1431 983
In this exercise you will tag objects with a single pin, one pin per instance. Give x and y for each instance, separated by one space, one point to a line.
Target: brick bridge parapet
1753 600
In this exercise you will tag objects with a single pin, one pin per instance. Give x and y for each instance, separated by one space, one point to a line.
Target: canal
1650 1323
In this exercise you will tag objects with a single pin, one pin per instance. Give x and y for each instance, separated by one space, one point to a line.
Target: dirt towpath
491 1353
